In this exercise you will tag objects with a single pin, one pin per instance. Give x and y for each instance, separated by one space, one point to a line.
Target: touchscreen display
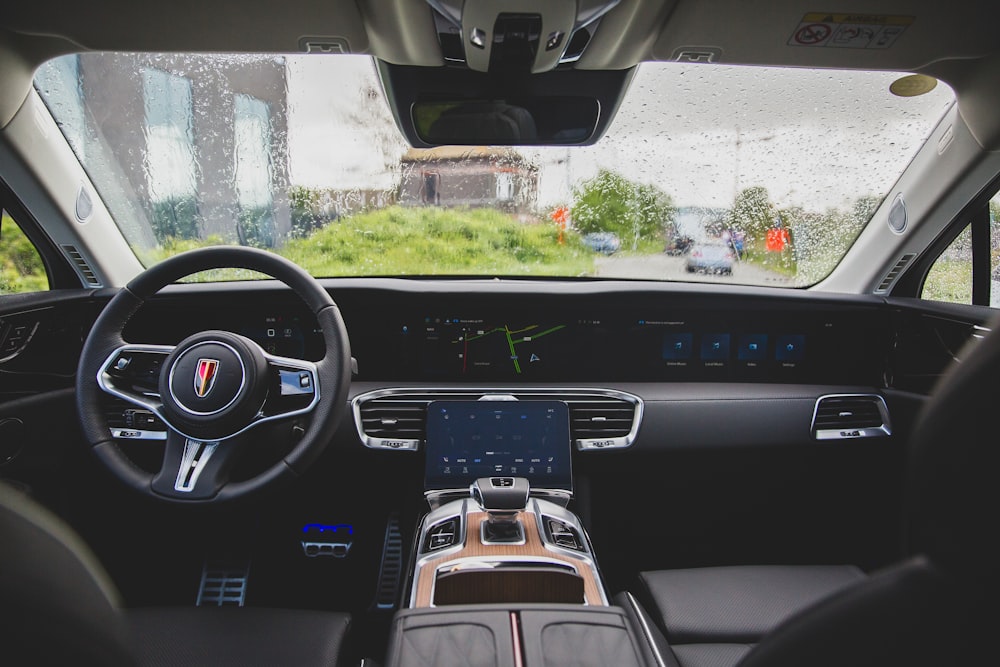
471 439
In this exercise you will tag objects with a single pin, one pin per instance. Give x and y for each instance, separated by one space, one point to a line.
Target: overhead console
517 36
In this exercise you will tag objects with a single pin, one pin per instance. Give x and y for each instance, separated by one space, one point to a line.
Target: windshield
300 155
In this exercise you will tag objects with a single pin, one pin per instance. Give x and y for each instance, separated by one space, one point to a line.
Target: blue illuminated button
753 347
790 348
715 347
677 346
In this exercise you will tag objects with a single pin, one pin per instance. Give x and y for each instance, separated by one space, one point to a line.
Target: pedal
391 569
223 584
329 540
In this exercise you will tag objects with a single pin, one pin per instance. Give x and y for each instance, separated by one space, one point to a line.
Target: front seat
937 607
59 607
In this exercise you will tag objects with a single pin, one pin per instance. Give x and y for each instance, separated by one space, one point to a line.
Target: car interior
739 463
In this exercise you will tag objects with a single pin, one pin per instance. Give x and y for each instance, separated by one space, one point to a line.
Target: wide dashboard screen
709 348
471 439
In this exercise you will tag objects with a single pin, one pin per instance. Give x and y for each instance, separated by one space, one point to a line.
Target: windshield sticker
849 31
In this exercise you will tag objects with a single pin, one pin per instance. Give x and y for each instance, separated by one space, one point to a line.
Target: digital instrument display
471 439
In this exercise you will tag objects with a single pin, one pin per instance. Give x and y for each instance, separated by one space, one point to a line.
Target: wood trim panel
474 547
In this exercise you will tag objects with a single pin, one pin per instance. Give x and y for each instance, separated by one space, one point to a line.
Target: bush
21 267
634 212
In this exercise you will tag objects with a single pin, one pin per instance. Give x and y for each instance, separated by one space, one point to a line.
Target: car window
21 267
995 251
300 155
952 275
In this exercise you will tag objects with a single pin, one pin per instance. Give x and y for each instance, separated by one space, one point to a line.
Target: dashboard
514 337
715 367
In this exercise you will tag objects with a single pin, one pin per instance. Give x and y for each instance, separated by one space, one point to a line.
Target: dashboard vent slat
897 270
850 416
82 266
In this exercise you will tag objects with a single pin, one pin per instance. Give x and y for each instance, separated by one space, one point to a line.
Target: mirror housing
436 106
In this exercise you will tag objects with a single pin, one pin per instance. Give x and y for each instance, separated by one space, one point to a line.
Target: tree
609 202
753 213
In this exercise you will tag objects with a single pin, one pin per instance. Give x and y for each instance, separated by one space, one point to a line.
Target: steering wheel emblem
204 376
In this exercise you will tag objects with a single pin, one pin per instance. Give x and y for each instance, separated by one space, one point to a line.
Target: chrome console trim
460 509
644 627
498 393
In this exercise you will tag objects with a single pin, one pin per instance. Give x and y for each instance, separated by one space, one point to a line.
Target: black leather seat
941 606
714 615
59 607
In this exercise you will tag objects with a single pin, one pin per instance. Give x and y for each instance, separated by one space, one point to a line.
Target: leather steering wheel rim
333 371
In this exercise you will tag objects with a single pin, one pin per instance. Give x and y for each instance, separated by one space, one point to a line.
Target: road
665 267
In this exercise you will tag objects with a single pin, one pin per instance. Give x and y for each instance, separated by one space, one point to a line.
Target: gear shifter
502 498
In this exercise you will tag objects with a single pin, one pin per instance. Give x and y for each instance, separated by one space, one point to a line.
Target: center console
538 553
502 572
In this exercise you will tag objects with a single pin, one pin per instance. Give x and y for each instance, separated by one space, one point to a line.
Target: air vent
603 420
90 278
393 422
847 416
396 418
897 270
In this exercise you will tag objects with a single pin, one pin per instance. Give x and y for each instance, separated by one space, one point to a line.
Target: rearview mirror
542 121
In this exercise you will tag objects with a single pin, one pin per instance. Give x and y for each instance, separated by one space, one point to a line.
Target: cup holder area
508 583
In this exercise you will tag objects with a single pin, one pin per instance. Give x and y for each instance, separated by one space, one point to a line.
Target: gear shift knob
501 495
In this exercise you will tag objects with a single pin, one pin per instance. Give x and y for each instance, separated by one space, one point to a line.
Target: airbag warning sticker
849 31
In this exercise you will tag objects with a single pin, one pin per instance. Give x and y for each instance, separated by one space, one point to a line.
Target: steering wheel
214 388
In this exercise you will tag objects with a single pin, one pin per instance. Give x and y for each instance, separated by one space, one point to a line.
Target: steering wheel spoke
194 469
132 373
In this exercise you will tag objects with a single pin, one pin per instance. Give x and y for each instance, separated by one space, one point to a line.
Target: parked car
710 258
606 243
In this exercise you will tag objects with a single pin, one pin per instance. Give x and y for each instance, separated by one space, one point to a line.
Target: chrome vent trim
849 416
395 418
82 266
893 274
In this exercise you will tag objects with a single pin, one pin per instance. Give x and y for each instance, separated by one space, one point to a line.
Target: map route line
512 341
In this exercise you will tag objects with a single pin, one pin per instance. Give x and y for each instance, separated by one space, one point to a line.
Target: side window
950 277
21 267
968 271
995 251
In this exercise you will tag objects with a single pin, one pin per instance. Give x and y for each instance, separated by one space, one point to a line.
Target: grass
949 280
393 241
434 241
21 268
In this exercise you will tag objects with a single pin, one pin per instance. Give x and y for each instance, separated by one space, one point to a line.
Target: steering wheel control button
207 378
295 382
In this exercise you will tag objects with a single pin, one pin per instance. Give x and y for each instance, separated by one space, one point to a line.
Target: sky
815 139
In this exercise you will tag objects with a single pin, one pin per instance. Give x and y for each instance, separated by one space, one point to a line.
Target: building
472 176
201 148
